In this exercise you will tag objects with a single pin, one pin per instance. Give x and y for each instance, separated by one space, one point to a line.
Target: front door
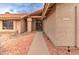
39 25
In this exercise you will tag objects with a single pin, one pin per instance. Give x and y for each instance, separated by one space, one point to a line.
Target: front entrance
39 25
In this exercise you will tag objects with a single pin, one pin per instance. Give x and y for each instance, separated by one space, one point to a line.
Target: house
58 21
12 24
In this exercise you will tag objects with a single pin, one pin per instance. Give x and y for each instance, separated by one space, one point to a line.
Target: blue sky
20 7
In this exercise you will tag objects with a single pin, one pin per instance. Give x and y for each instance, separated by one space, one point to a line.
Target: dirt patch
17 46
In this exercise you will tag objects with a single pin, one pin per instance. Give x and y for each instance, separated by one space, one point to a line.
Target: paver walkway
38 46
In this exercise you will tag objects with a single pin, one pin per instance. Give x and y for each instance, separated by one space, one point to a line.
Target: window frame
7 25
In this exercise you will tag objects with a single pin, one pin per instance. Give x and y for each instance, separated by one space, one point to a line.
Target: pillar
29 24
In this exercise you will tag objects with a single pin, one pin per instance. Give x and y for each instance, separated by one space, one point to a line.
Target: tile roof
12 16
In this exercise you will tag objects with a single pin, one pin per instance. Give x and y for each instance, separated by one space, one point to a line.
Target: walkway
38 46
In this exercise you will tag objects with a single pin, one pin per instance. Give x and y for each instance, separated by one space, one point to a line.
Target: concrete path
38 46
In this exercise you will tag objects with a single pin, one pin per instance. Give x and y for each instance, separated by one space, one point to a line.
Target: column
29 24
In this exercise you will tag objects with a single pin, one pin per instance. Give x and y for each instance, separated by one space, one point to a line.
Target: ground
53 50
17 46
21 45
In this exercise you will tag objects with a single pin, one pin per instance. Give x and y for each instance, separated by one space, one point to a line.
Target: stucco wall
65 25
49 25
7 33
77 25
0 25
23 26
18 26
33 24
60 25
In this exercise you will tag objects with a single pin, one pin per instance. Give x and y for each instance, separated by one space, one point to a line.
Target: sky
20 7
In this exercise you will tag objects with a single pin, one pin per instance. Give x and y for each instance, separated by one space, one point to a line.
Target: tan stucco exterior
77 23
49 25
18 28
61 26
65 25
23 25
29 24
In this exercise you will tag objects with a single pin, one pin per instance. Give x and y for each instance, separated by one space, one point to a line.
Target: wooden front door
39 25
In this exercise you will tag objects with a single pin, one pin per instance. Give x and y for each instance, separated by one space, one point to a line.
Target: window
7 24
